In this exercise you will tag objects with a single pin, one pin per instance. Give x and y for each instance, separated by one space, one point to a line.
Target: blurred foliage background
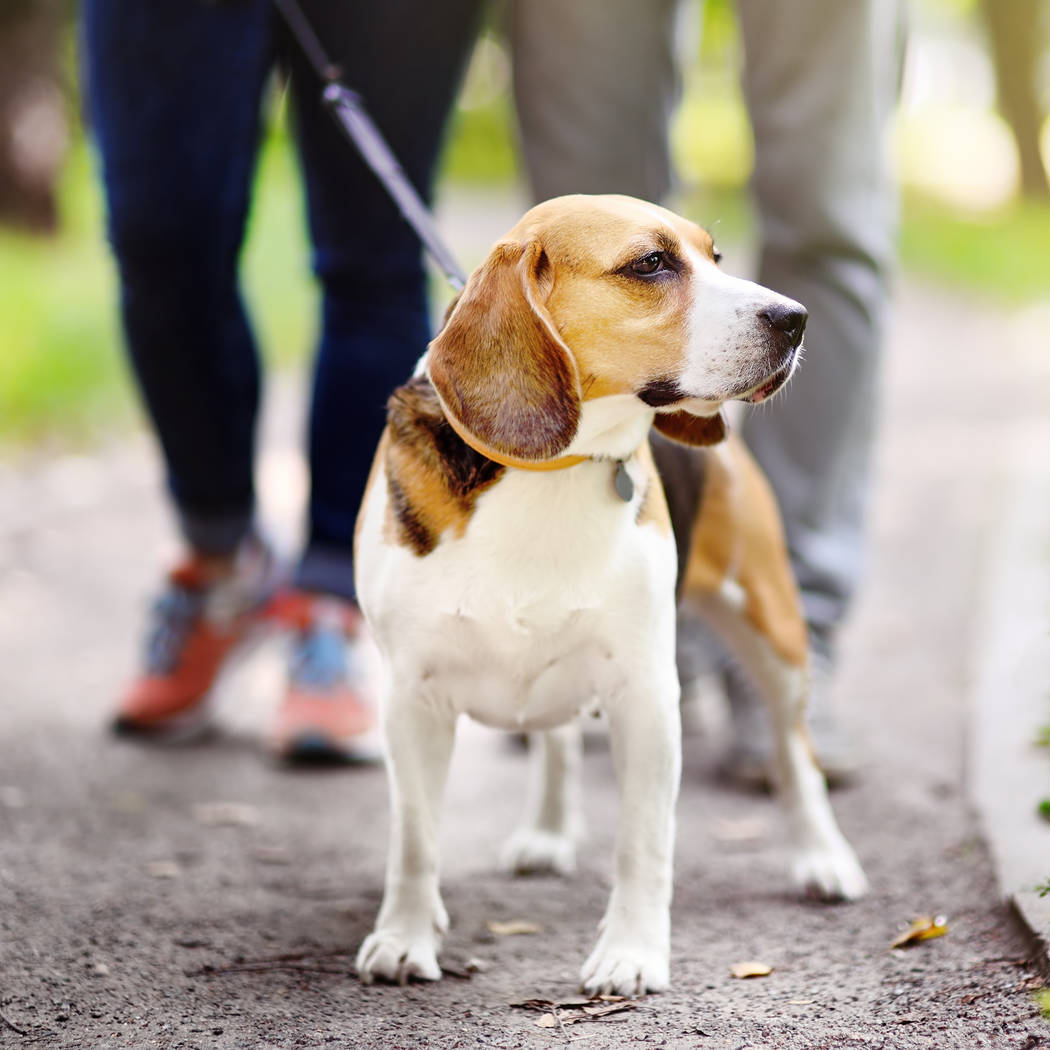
970 148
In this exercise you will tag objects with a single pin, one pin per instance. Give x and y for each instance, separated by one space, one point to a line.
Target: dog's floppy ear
507 382
688 429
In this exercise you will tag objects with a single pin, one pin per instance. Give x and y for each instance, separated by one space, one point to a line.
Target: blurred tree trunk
33 133
1013 28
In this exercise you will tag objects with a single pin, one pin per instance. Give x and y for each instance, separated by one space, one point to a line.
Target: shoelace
173 617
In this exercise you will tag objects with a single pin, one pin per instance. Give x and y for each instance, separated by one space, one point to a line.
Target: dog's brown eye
649 264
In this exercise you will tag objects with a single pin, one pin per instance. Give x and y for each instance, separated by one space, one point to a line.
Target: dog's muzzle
765 390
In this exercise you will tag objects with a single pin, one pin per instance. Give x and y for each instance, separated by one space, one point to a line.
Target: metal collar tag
623 483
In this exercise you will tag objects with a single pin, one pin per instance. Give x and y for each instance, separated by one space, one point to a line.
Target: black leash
348 110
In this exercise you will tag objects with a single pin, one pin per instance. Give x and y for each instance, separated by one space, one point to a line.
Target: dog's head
600 297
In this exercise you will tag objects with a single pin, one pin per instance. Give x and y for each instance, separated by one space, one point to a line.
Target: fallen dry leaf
575 1015
573 1011
923 928
546 1005
542 1005
513 928
751 968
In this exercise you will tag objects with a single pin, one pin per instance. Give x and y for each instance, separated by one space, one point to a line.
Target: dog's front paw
395 955
532 851
830 872
625 967
404 944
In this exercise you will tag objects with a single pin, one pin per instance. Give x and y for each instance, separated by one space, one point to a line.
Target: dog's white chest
546 602
516 674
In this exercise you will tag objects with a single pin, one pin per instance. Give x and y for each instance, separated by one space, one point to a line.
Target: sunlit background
974 218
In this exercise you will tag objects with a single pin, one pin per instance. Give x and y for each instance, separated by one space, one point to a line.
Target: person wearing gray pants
595 83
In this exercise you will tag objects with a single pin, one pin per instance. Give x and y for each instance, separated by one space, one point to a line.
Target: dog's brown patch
688 429
501 368
433 477
738 537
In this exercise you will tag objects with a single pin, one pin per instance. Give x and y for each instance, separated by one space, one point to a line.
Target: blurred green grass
1001 256
62 371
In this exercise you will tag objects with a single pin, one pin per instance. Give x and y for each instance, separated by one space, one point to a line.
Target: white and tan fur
525 593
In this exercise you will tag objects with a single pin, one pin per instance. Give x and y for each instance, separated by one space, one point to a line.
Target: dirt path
133 913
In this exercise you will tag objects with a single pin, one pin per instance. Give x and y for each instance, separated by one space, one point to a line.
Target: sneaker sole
316 749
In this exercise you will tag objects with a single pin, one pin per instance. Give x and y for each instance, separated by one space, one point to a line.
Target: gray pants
595 82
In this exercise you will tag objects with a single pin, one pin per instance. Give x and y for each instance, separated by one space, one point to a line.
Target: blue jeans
175 90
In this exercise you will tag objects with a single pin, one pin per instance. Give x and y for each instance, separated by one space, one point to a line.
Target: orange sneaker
197 623
328 714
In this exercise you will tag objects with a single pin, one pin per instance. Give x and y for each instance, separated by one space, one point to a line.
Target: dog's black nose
789 318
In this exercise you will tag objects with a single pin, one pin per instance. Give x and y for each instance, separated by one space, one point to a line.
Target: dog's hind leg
412 919
824 864
739 580
545 839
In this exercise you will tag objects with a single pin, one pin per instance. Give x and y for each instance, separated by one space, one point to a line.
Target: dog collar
622 482
561 463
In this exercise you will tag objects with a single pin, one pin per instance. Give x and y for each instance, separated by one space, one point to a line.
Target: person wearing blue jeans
175 91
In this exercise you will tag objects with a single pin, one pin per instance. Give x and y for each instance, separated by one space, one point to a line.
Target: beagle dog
516 559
